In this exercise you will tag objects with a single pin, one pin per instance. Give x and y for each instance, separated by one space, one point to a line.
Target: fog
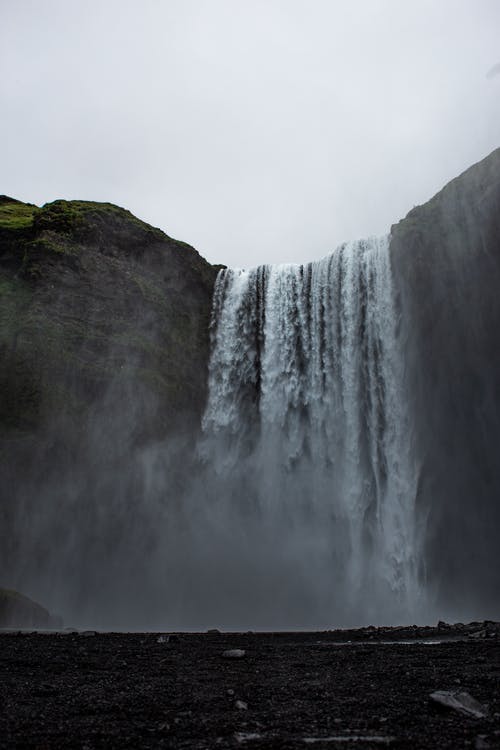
320 492
258 132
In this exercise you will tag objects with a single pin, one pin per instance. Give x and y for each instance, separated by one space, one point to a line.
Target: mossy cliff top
62 215
63 225
16 215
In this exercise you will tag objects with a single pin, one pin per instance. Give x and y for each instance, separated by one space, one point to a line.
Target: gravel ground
366 689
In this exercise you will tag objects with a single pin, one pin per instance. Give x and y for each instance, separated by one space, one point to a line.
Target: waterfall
294 508
307 433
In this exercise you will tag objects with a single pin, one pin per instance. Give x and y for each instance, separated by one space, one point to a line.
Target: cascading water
296 510
307 433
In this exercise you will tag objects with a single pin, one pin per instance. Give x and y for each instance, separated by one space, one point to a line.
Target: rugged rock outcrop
96 305
104 345
446 261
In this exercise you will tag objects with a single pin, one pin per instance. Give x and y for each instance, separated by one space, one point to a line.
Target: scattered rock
477 634
459 701
234 653
481 742
167 639
246 736
67 676
241 705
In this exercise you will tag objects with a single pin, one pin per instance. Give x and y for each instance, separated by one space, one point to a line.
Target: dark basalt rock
446 261
104 345
459 700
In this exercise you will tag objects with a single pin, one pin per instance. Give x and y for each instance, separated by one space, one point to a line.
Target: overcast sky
259 131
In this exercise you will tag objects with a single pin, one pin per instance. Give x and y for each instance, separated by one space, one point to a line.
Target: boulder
18 611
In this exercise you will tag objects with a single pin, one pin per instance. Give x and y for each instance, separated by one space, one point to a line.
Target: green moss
62 215
15 215
59 216
67 216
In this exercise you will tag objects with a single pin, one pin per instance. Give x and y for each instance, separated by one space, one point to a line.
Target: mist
306 500
282 513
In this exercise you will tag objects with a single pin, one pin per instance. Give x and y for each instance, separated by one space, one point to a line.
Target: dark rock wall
446 261
95 302
104 349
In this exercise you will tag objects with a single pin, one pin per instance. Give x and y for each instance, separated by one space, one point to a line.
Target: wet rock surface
459 700
337 688
446 265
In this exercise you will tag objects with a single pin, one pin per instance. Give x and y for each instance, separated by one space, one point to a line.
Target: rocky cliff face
103 352
446 261
98 305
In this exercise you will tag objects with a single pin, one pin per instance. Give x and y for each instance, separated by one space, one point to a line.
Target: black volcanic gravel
302 689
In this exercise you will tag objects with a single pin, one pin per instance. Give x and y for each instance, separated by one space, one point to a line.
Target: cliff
103 352
97 305
446 262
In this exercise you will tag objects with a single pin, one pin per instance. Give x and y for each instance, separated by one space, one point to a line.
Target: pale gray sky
256 130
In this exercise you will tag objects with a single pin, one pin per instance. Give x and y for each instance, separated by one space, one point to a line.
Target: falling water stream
306 427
